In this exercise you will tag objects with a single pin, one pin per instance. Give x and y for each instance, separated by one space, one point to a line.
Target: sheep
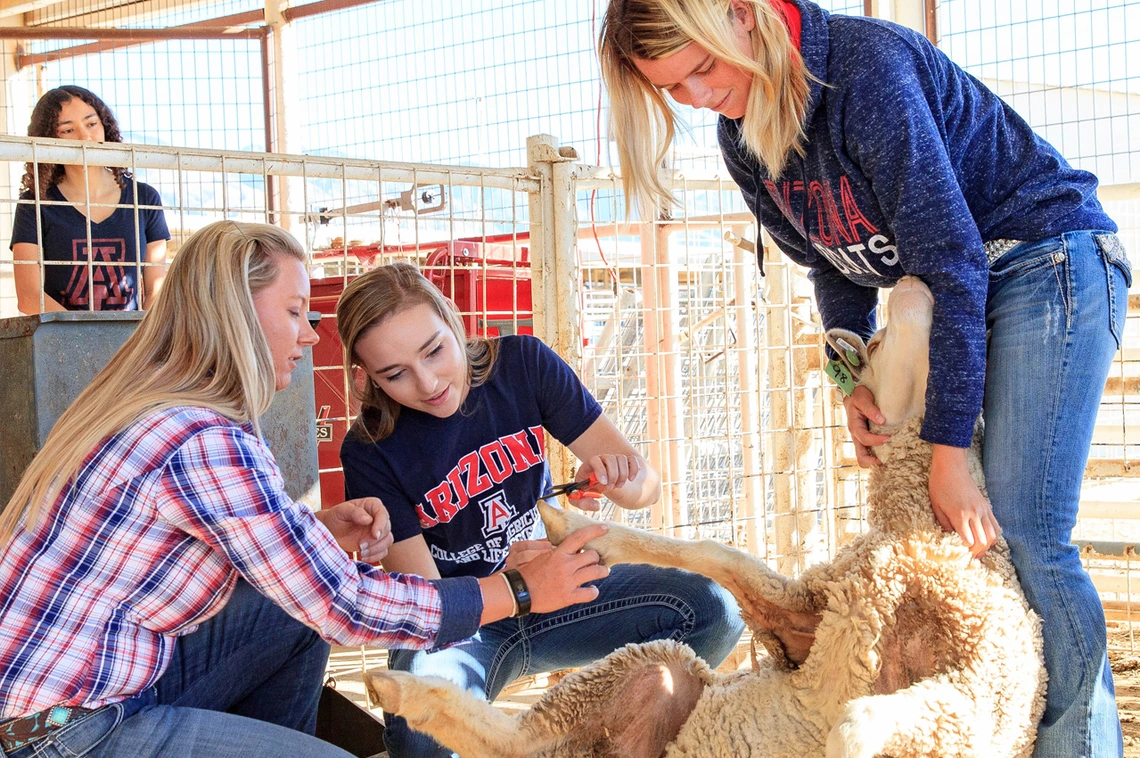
902 645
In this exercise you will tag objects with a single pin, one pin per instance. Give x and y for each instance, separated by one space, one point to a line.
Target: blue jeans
1055 314
245 683
636 603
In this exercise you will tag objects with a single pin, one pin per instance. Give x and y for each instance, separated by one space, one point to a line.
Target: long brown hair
45 123
200 344
642 117
375 296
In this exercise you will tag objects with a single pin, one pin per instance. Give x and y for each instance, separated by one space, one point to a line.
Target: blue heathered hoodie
910 165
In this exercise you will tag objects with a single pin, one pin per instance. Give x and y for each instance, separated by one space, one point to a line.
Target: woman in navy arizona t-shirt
451 438
72 199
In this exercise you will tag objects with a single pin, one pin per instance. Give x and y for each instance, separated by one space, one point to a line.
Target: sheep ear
850 348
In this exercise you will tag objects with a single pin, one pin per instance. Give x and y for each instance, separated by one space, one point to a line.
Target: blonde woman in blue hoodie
868 155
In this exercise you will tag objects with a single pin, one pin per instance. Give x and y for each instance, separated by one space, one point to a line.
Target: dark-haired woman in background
75 197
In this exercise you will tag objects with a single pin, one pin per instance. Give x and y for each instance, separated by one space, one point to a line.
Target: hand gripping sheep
902 646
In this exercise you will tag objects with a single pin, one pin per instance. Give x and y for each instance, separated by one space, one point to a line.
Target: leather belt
23 731
16 733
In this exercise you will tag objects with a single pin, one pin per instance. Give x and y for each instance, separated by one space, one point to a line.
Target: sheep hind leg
780 611
448 714
932 718
631 704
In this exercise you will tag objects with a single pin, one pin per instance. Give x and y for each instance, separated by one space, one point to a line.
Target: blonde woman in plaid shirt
160 594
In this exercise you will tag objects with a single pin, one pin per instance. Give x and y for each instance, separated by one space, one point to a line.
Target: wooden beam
1121 610
931 21
151 11
135 36
236 26
1097 468
324 6
1116 583
1110 193
1103 468
109 14
1127 385
1108 509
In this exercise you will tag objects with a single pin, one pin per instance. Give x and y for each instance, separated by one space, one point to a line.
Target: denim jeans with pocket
245 684
636 603
1055 314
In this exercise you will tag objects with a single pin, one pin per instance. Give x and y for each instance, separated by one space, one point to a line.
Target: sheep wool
919 651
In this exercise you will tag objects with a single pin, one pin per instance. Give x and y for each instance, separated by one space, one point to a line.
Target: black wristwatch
520 591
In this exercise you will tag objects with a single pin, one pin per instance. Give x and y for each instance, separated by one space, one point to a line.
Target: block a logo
497 513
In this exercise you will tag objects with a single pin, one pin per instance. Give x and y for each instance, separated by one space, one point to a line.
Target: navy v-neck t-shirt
116 242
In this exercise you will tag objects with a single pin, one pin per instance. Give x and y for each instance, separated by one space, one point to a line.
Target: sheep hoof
857 734
560 522
384 689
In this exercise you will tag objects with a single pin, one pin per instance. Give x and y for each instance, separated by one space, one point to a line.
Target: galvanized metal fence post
554 268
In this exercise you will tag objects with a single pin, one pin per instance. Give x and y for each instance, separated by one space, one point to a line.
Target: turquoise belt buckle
59 716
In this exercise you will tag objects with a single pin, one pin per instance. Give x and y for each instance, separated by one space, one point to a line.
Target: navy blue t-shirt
469 482
910 165
114 240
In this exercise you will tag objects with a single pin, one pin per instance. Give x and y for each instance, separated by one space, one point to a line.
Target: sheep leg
630 704
780 611
930 718
448 714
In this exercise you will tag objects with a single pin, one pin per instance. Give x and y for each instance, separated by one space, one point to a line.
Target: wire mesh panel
450 82
198 93
716 374
466 83
220 107
469 236
711 370
187 92
1072 70
466 229
1109 525
846 7
151 14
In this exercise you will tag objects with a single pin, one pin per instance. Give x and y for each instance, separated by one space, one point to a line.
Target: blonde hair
643 120
201 344
377 295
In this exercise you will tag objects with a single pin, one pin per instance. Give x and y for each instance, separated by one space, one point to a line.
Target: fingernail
364 546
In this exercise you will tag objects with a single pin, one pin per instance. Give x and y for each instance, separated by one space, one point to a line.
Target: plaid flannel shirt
148 542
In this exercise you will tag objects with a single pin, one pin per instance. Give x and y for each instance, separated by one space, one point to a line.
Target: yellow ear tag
841 376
